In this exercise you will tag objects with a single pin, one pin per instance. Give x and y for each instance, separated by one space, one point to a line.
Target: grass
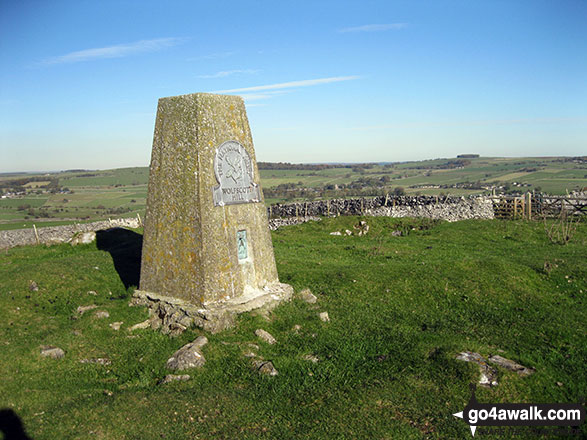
400 309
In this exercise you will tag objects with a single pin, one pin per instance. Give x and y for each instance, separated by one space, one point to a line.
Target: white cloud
263 95
287 85
225 73
375 27
116 51
212 56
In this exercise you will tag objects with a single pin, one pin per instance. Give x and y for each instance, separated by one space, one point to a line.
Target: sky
323 81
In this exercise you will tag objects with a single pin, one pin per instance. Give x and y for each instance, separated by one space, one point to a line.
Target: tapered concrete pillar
207 251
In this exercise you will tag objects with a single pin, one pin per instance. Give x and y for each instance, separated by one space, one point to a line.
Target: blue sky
323 81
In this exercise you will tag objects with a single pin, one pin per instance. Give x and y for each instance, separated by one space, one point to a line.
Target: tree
399 191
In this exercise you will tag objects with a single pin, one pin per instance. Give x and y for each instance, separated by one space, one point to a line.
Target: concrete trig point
207 252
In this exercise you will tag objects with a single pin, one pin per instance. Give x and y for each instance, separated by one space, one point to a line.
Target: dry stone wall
443 208
59 234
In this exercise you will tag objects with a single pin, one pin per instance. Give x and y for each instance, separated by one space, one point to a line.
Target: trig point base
207 252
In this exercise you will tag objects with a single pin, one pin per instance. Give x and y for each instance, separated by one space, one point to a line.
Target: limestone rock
188 356
83 309
141 325
488 374
101 314
511 365
52 351
99 361
33 287
116 325
335 233
324 317
200 341
265 336
308 296
83 238
92 292
347 232
175 378
311 357
265 367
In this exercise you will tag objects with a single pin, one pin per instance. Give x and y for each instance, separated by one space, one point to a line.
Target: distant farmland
80 195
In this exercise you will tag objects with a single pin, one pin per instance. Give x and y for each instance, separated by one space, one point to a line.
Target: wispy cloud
212 56
262 95
291 84
116 51
375 27
225 73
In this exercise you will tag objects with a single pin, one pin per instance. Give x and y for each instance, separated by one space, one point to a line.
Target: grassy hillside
401 308
96 195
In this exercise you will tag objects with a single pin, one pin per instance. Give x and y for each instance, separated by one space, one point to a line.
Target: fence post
327 208
36 234
515 207
529 205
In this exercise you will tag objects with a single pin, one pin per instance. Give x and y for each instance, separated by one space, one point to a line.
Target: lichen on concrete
190 246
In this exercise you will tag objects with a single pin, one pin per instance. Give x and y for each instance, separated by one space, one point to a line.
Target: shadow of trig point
207 252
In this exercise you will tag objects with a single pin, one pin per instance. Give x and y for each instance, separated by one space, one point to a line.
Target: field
96 195
401 308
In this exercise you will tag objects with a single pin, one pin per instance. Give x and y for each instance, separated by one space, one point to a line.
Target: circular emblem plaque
233 167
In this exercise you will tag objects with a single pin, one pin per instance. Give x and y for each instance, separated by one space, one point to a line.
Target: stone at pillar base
173 315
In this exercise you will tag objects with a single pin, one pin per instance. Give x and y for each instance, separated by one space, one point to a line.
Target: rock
265 367
116 325
488 374
140 325
308 296
101 314
99 361
511 365
296 328
174 378
83 238
200 341
396 233
92 292
324 317
33 287
335 233
347 232
311 358
52 351
83 309
188 356
265 336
